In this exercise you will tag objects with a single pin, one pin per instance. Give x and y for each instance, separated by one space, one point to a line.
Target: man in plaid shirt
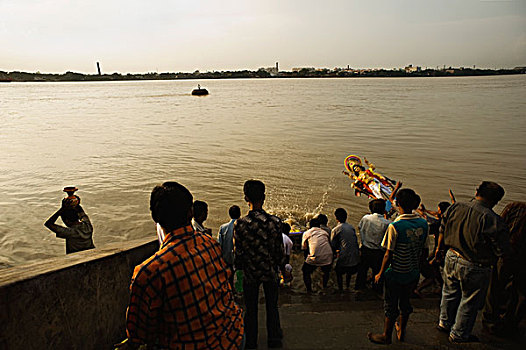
180 297
258 251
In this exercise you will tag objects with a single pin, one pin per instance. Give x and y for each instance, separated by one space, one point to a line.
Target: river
116 140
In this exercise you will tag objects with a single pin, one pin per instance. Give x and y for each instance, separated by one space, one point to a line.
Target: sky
138 36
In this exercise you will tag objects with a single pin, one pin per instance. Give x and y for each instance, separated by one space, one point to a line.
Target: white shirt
318 242
372 229
197 226
287 244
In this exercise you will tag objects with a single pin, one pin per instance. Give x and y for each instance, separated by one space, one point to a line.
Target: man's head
377 206
69 217
314 222
254 191
407 200
322 218
200 211
490 192
442 207
171 205
340 214
234 212
285 228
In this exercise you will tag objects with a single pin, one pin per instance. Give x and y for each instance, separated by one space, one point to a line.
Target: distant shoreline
261 73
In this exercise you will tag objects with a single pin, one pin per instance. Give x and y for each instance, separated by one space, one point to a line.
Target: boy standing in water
404 242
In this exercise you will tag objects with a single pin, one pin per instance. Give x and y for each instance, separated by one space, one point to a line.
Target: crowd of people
184 295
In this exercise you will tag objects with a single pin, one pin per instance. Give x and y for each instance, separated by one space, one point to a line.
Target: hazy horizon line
266 67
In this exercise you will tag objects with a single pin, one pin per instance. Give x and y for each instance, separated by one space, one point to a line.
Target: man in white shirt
317 246
372 229
287 242
200 216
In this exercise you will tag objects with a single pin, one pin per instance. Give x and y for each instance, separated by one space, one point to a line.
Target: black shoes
471 339
443 329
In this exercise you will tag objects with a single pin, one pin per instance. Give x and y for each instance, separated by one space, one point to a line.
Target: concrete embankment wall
73 302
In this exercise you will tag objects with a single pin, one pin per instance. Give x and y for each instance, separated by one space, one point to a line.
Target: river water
116 140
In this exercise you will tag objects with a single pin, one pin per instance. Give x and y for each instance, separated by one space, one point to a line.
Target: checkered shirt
181 297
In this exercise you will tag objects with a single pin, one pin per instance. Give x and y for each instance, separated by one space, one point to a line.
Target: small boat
199 91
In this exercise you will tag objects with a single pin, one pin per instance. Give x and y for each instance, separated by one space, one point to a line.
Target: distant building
411 69
273 71
305 69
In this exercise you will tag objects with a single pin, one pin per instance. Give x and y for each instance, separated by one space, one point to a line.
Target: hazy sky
182 36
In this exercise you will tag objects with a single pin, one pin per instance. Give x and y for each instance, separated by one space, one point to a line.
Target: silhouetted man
258 251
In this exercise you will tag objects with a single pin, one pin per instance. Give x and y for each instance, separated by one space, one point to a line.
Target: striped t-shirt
405 238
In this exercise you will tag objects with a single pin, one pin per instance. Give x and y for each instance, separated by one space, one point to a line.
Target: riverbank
327 319
77 301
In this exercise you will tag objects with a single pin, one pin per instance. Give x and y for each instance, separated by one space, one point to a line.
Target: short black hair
254 190
170 204
377 206
314 222
407 199
285 228
323 219
443 206
200 208
340 214
234 212
69 215
491 191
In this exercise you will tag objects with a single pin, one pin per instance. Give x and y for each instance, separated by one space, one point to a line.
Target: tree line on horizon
17 76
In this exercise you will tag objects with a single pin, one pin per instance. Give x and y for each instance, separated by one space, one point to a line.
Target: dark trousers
348 271
505 305
369 259
396 298
231 276
251 295
308 269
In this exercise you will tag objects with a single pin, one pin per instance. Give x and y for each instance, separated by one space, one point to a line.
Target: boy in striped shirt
404 242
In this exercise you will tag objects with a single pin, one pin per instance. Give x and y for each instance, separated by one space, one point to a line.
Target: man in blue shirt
226 239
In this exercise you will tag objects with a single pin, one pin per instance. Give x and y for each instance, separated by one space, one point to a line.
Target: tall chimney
277 67
98 68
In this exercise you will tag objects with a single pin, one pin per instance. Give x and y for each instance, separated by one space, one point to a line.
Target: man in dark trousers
476 237
258 252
